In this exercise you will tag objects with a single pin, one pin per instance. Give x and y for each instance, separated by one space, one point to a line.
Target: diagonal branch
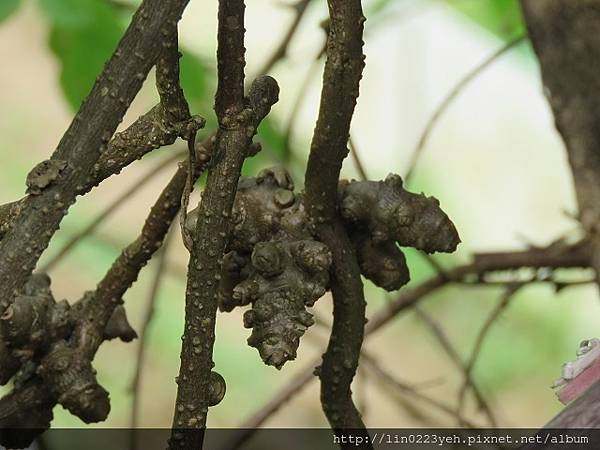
141 350
445 343
449 99
576 255
280 52
80 148
108 211
470 365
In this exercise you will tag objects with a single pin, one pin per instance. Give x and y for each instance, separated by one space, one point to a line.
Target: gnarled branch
343 71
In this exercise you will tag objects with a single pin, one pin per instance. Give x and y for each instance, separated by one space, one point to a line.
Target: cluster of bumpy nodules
275 264
35 333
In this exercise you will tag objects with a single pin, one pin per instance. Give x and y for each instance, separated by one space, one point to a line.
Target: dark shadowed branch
238 119
82 145
343 71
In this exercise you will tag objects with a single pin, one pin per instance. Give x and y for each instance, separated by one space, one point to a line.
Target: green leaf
271 137
196 80
7 7
73 12
82 46
500 17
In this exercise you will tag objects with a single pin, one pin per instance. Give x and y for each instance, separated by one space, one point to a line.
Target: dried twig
438 332
410 391
468 369
280 52
147 319
449 99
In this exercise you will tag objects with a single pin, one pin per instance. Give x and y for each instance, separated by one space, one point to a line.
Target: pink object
575 387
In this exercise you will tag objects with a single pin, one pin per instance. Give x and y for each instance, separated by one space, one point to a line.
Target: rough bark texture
566 37
238 119
83 143
35 395
343 71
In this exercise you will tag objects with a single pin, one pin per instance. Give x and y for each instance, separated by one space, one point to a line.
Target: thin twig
468 370
410 391
300 97
280 52
143 334
440 335
449 99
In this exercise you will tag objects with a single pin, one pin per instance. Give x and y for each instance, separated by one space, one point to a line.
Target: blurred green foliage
7 7
501 17
82 43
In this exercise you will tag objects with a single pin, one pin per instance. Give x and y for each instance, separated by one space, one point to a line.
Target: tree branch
141 350
34 396
449 99
565 38
570 256
280 52
238 119
82 145
110 209
343 71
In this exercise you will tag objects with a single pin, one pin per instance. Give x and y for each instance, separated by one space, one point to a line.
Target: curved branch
572 256
449 99
343 71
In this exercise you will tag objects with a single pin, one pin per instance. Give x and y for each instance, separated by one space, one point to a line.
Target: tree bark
566 38
341 78
83 144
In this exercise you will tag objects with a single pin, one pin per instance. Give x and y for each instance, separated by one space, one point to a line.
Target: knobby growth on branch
254 241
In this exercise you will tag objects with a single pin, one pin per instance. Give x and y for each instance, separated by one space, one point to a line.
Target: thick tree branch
238 119
55 184
343 71
34 395
565 36
108 211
